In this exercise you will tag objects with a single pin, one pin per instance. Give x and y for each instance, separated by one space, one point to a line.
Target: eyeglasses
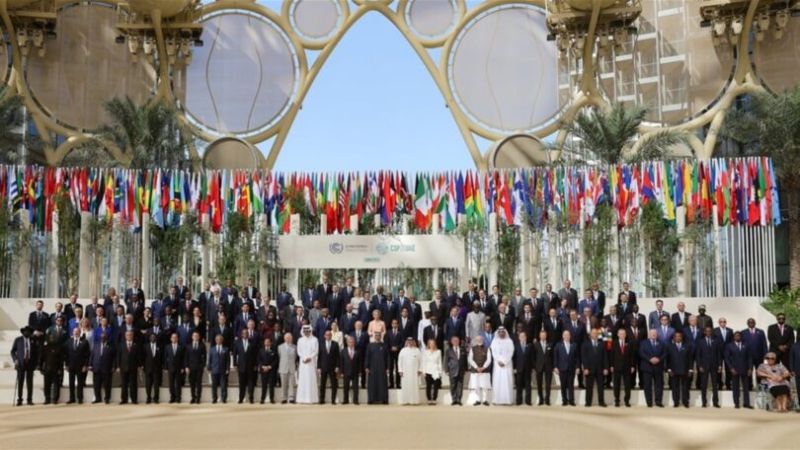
770 359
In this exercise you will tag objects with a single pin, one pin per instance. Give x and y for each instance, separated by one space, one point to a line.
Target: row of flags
743 190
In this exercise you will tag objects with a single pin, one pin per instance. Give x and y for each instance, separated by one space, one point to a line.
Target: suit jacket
438 336
347 322
563 361
395 339
173 359
594 358
523 360
18 352
756 341
639 319
507 321
103 361
287 358
572 297
347 366
794 358
691 338
648 350
455 366
677 323
738 359
39 322
336 302
543 358
328 360
227 335
153 362
727 339
679 361
776 338
194 359
622 362
77 356
219 360
69 309
708 356
128 360
631 297
553 331
323 293
245 361
654 319
249 292
665 336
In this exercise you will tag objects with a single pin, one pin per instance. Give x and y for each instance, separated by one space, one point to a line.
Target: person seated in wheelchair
776 376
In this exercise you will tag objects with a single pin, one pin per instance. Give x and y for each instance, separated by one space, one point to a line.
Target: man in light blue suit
654 319
664 332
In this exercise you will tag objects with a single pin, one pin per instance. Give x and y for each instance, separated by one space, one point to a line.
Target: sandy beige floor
242 427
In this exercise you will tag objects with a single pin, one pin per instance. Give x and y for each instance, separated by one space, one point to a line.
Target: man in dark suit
284 296
267 364
523 366
433 331
77 365
651 368
781 339
570 294
245 355
553 326
565 363
307 296
455 365
25 356
173 363
469 296
328 366
636 335
324 291
222 328
626 290
622 366
128 363
407 325
153 366
543 365
39 321
756 341
362 341
438 307
194 363
599 296
724 335
350 365
737 360
336 302
394 342
680 318
526 322
552 299
102 366
218 365
72 305
250 291
708 357
90 311
503 318
679 366
594 360
347 323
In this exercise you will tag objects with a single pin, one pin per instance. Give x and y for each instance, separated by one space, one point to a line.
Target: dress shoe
485 403
660 405
284 402
676 405
155 401
292 402
171 401
19 402
70 402
214 402
716 405
96 402
134 402
540 403
148 401
80 402
529 403
572 404
345 402
355 403
30 402
241 401
547 402
107 402
616 404
124 402
477 404
627 404
602 405
748 407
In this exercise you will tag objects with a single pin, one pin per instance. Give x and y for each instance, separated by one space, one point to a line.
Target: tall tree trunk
792 197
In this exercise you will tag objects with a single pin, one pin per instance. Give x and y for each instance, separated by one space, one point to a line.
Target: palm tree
608 136
10 121
769 125
149 133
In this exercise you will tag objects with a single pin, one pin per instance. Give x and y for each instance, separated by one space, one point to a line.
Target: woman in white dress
336 335
358 297
409 363
432 368
480 379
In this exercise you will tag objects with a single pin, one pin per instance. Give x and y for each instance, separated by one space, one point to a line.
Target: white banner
370 252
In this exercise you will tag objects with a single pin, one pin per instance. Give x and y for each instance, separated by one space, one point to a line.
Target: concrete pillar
404 229
323 224
535 262
24 260
116 245
435 229
582 281
719 280
294 224
52 260
615 285
205 252
263 271
554 273
146 259
84 260
684 276
354 223
524 260
493 239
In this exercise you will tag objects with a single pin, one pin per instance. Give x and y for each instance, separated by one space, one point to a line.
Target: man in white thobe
409 363
307 350
503 371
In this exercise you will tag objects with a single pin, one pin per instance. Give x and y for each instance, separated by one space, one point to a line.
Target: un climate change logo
336 248
382 248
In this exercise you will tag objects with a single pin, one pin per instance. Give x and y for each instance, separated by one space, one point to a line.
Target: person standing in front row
128 363
480 378
456 365
350 364
651 355
268 368
307 352
523 366
737 361
377 368
503 369
432 368
219 364
410 366
194 363
102 366
565 363
287 368
25 355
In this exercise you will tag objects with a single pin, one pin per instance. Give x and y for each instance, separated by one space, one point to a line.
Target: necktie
102 347
708 341
622 347
174 349
740 346
27 350
351 353
76 343
566 347
195 346
219 349
129 345
153 348
245 346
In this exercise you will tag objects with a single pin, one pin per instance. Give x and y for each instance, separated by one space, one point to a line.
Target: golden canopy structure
235 69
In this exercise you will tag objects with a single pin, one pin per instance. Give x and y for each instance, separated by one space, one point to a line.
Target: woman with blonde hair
376 325
432 368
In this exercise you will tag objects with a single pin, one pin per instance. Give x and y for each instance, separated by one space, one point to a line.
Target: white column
52 260
24 258
581 259
684 275
555 262
146 255
205 252
719 284
85 260
323 224
464 273
116 244
493 239
354 223
534 263
435 229
614 285
294 274
263 272
404 228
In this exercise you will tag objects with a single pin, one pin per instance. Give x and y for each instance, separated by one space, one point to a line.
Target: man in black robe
377 368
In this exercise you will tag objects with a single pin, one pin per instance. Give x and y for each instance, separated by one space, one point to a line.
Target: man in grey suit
456 365
287 367
219 363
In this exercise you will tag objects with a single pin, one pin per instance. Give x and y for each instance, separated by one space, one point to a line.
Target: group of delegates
499 344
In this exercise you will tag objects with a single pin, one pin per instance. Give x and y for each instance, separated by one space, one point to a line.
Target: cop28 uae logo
382 248
336 248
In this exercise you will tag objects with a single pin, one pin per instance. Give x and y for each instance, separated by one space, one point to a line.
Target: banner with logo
371 251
